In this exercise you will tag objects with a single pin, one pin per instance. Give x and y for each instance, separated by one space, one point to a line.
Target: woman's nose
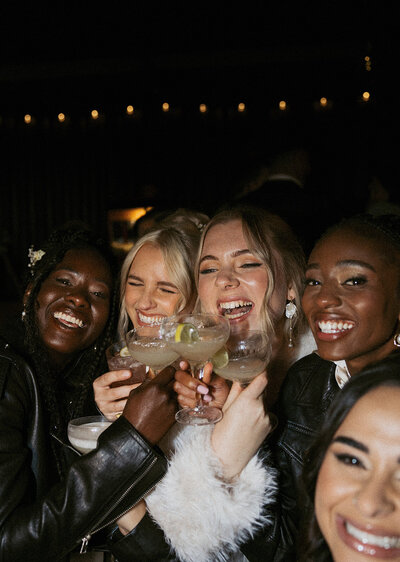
226 279
374 498
146 300
78 296
328 296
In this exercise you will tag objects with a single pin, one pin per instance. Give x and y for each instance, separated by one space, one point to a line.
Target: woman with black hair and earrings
51 499
352 472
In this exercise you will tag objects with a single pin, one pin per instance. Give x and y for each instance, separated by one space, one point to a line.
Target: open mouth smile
375 544
69 320
335 327
149 320
235 309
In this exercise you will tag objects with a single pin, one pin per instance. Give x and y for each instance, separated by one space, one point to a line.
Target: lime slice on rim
220 359
124 352
186 333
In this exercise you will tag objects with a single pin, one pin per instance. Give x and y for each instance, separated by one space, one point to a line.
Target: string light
366 96
61 117
130 109
28 119
165 107
282 105
203 108
323 102
241 107
368 64
94 113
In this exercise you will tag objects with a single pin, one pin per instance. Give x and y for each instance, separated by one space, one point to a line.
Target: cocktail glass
244 356
119 358
152 350
196 338
84 432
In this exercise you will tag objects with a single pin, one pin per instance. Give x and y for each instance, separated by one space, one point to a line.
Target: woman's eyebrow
351 442
354 263
234 254
166 284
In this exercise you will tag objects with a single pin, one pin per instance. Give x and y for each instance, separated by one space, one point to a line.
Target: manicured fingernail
207 398
202 389
182 364
126 374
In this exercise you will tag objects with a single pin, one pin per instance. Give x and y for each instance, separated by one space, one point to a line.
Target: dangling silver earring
290 313
23 314
396 340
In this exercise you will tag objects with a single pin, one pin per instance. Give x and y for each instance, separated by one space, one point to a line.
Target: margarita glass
150 350
196 338
84 432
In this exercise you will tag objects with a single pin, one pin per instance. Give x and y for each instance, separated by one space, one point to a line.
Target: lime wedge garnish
220 359
124 352
186 333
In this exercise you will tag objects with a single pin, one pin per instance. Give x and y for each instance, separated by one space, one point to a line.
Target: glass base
204 415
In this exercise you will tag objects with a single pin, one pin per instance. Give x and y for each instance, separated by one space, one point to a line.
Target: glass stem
198 373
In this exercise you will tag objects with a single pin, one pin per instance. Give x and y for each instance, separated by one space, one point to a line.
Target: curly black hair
87 366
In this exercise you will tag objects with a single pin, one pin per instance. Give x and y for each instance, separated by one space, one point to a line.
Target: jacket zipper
85 540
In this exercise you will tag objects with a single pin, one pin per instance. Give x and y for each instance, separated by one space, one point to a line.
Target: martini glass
244 356
84 432
151 350
196 338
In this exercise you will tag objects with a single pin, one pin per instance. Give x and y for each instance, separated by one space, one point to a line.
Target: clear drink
209 342
242 369
151 351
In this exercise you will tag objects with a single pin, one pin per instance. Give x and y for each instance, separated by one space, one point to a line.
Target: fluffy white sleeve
203 517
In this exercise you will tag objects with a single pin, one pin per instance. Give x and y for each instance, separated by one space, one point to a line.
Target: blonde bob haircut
179 248
272 241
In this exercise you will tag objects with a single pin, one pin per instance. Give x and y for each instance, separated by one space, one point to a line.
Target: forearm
99 487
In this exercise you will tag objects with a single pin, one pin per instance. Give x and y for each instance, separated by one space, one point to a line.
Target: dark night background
78 57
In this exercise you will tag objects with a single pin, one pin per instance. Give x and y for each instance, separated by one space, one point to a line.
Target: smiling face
351 299
232 280
357 498
150 293
73 304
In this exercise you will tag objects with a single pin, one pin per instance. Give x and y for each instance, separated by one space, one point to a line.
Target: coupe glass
196 338
244 357
84 432
151 350
120 358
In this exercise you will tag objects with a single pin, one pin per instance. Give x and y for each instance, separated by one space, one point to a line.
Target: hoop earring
396 340
290 313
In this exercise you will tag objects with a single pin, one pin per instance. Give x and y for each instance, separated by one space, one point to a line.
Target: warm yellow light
367 59
61 117
130 109
282 105
323 102
28 118
165 106
241 107
95 114
366 96
202 108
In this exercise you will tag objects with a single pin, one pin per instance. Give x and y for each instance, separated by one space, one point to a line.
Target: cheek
169 304
205 292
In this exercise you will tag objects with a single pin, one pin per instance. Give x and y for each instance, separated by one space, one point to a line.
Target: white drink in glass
154 353
209 342
84 432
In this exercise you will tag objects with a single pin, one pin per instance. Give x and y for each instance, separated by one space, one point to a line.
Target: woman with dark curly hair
351 473
51 499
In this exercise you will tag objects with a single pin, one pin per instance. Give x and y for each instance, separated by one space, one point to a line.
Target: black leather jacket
40 522
307 392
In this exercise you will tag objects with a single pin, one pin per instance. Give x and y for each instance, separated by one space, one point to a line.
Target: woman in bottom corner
352 472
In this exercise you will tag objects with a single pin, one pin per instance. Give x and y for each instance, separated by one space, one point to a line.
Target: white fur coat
203 517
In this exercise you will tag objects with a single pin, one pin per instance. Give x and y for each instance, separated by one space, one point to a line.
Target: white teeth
152 320
234 304
68 318
331 327
385 542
